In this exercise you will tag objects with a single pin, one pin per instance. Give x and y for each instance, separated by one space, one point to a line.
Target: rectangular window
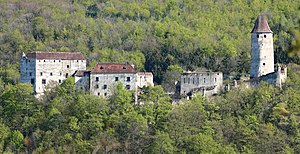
97 86
43 81
59 81
127 87
67 75
98 94
183 80
68 66
193 80
203 80
51 74
117 79
215 80
128 79
97 78
41 73
32 81
105 86
30 73
188 80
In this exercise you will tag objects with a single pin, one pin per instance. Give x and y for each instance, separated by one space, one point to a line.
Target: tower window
59 81
67 75
30 73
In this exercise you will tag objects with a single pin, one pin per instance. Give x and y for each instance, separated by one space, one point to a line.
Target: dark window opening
60 74
215 79
77 60
265 36
30 73
264 64
128 87
51 74
257 36
97 78
67 75
97 86
183 80
28 60
32 81
101 67
44 60
188 80
193 80
68 66
203 80
98 94
128 79
41 73
59 81
105 94
105 86
124 67
117 79
43 81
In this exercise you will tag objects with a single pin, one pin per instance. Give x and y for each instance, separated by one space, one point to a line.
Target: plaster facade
144 79
42 68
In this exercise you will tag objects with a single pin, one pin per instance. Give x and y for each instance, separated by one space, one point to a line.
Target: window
43 81
265 36
105 94
32 81
28 60
215 80
44 60
54 61
264 64
105 86
193 80
257 36
117 79
30 73
41 73
97 86
127 87
77 60
51 74
67 75
60 74
98 94
124 67
128 79
101 67
59 81
97 78
183 80
188 80
203 80
68 66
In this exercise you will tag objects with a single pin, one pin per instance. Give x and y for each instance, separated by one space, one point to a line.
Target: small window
60 74
105 86
98 94
128 79
203 80
44 60
128 87
101 67
39 60
59 81
97 78
30 73
193 80
124 67
67 75
43 81
51 74
97 86
217 73
68 66
264 64
116 78
215 80
59 61
28 60
257 36
265 36
32 81
54 61
183 80
41 73
105 94
188 80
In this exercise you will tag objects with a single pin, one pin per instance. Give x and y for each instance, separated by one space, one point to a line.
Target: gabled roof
261 25
56 55
113 68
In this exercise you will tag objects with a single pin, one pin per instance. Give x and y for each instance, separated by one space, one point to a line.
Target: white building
144 79
42 68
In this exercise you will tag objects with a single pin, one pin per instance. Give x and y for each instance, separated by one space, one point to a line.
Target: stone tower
262 54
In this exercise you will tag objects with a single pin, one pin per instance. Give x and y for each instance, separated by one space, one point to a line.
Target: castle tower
262 54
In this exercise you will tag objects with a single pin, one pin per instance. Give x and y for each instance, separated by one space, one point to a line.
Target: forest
163 37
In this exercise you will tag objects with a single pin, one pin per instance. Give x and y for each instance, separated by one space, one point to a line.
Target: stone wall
144 79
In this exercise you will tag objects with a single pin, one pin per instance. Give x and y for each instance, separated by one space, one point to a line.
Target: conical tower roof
261 25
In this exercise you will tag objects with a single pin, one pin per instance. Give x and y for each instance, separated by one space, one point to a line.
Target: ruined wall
211 82
144 79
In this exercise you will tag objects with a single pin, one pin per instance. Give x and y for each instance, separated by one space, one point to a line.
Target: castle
45 68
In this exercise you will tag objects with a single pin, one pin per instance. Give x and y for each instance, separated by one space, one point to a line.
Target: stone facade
209 83
144 79
262 52
42 68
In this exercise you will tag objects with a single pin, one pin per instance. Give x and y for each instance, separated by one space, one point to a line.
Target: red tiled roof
113 68
56 55
261 25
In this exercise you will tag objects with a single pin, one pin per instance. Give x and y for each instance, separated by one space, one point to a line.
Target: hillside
152 34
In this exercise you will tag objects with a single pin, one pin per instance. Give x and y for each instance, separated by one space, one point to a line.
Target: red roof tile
56 55
113 68
261 25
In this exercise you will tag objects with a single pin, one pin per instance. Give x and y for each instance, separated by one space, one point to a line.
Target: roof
113 68
261 25
80 73
56 55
